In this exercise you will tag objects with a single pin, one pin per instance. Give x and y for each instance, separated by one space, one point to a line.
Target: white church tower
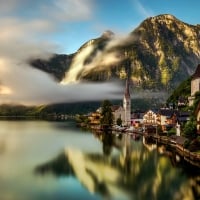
127 105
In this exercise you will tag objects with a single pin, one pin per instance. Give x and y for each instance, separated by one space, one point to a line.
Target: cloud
56 9
20 40
23 36
99 60
31 87
145 12
8 6
69 10
77 65
79 68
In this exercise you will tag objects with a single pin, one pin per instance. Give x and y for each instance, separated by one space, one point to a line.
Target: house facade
195 85
150 122
118 113
150 118
166 118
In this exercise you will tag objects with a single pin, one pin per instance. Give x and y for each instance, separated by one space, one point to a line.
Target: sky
67 24
38 28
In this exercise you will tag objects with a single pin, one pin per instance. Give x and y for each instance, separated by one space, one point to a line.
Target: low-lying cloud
25 34
24 38
104 58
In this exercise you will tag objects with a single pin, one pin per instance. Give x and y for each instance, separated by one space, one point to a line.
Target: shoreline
176 143
189 156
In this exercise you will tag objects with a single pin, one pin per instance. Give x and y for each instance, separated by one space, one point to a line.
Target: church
123 112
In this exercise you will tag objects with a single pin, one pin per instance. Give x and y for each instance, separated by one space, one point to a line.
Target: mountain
57 65
159 54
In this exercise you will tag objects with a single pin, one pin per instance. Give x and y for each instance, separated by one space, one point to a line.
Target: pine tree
106 114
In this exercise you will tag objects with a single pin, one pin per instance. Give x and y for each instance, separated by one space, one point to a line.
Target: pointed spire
127 93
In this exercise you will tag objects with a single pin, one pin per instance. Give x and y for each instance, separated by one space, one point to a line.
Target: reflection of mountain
129 172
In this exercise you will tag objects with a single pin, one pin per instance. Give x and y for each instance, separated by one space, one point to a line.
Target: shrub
186 144
172 131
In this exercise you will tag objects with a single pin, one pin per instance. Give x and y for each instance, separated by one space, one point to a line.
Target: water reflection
126 169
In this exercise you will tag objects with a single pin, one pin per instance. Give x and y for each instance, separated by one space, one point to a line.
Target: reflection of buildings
128 172
149 146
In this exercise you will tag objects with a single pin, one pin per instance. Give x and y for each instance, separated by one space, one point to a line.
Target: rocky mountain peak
160 53
162 18
108 34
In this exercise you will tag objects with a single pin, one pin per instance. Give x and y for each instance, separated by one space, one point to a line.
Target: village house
150 118
195 85
118 113
95 119
150 122
197 112
137 118
166 118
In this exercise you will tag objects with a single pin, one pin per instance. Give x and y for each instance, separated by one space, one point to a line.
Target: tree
172 131
106 114
190 129
107 140
119 121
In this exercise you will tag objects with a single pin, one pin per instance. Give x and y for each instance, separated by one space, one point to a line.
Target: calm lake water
42 160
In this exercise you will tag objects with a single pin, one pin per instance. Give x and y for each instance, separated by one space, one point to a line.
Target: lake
56 160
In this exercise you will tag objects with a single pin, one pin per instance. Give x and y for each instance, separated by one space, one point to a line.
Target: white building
123 112
127 105
195 85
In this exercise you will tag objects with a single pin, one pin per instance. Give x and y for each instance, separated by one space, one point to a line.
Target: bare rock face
160 53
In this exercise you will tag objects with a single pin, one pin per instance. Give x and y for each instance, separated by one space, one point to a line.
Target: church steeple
127 93
127 105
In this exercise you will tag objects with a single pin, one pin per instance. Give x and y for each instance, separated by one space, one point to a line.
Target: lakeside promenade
176 143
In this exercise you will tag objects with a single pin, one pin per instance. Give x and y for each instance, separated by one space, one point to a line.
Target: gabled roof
196 73
166 112
115 107
183 114
183 119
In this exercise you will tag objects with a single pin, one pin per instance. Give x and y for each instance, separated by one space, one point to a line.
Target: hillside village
168 120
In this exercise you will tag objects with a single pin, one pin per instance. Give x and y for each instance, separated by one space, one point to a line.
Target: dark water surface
55 160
